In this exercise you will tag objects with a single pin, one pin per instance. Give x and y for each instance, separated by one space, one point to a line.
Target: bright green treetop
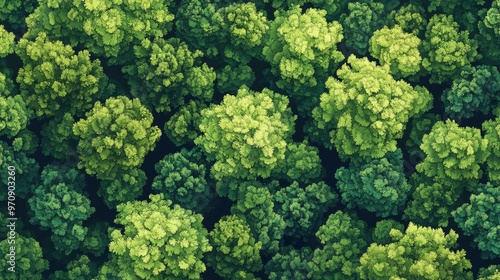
14 116
411 18
29 261
366 110
235 251
166 71
344 238
54 78
446 49
62 210
106 28
491 272
418 253
453 154
115 135
479 219
476 90
302 49
246 134
7 44
398 49
159 240
378 185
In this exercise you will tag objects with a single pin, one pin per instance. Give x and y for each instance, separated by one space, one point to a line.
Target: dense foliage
250 139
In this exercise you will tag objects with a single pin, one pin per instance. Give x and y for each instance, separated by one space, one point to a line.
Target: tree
489 32
58 138
432 202
61 210
231 78
183 127
56 174
126 186
419 126
397 49
183 179
289 264
301 163
491 129
302 50
360 22
344 239
105 28
453 154
303 208
255 205
14 116
26 170
242 29
159 240
55 79
418 253
115 136
165 72
246 134
446 49
97 240
382 229
479 219
378 185
29 261
365 111
79 268
491 272
475 91
410 17
235 251
26 141
6 41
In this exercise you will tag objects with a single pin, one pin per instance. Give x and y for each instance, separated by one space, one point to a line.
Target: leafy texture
432 202
446 49
256 206
183 179
475 91
7 44
62 210
290 264
492 134
303 208
14 116
58 140
160 240
343 239
418 253
302 49
106 28
235 251
382 229
398 49
125 186
183 127
453 154
360 22
411 18
166 71
29 261
79 268
55 79
231 78
479 219
378 185
491 272
419 126
246 134
115 136
366 110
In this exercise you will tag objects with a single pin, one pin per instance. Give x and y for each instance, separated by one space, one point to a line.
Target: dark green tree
289 264
183 127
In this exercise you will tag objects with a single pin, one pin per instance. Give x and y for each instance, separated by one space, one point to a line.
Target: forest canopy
250 139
